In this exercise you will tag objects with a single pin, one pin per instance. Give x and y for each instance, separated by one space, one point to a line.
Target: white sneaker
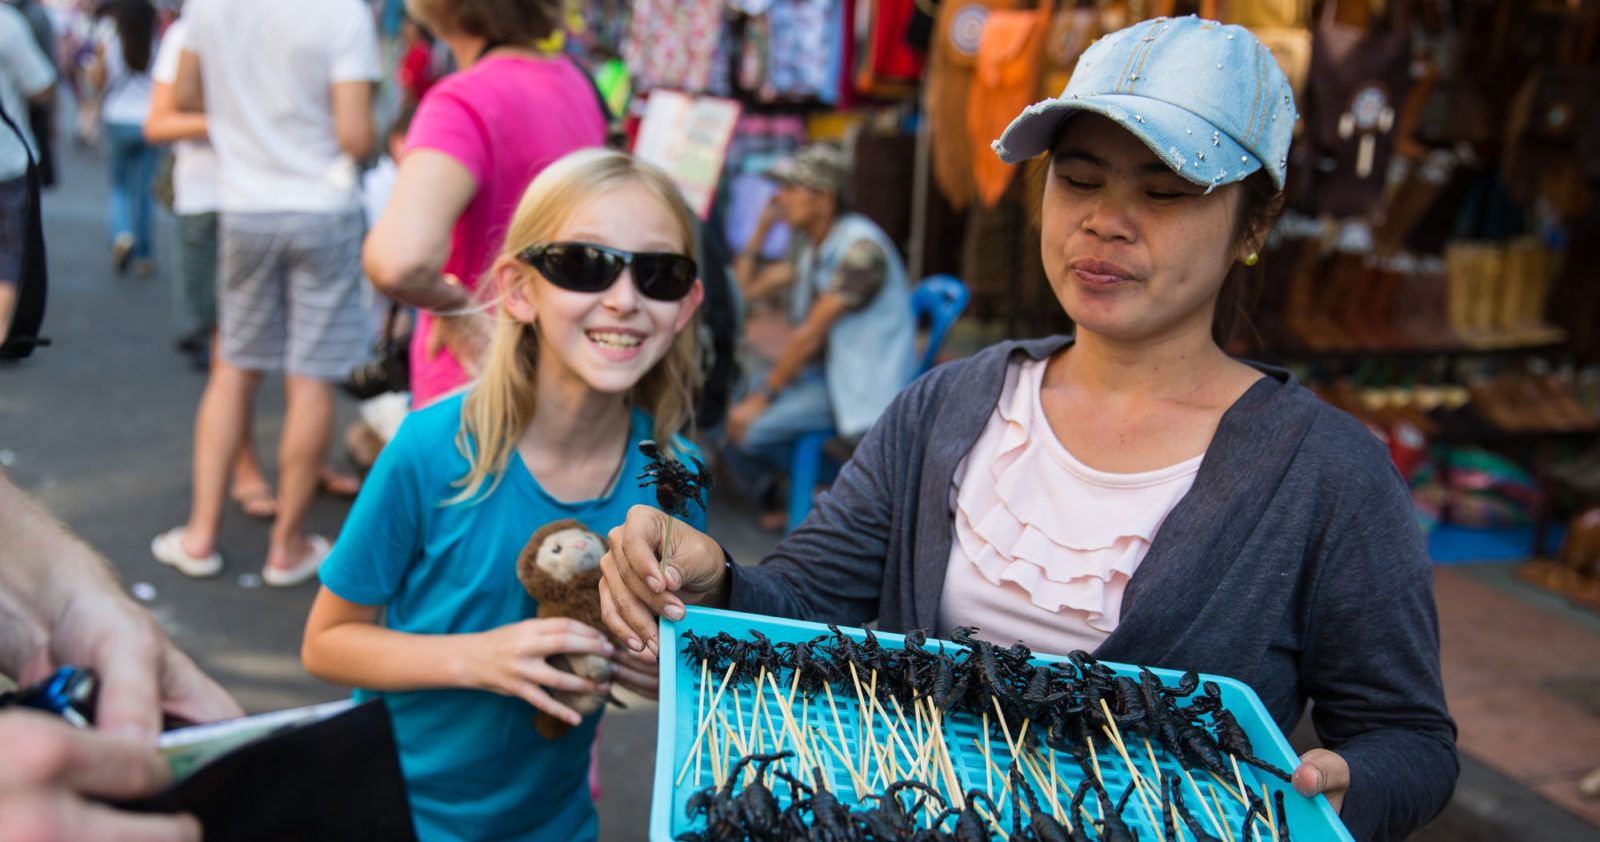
168 549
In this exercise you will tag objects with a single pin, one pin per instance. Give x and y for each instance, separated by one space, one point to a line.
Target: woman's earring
1252 259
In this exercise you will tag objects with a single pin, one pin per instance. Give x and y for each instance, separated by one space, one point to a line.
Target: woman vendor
1131 490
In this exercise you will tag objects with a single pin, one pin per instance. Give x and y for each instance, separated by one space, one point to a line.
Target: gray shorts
290 293
13 227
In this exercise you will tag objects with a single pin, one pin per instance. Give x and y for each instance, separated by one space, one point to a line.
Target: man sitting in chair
853 341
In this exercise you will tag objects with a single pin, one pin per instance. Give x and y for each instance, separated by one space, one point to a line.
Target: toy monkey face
570 552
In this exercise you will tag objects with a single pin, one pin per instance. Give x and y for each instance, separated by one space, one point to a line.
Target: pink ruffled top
1045 545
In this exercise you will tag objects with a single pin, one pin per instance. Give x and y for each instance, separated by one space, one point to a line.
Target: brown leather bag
1005 82
1071 32
1541 153
1358 81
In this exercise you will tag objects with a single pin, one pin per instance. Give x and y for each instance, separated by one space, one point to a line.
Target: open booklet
327 771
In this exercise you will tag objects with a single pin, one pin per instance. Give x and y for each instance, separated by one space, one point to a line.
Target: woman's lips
1100 272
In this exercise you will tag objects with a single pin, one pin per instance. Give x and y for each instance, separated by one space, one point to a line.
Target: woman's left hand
1321 772
639 672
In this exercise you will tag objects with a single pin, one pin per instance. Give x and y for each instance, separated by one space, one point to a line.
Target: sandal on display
280 577
168 549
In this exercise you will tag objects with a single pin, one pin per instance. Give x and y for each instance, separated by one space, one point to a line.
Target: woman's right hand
511 661
636 587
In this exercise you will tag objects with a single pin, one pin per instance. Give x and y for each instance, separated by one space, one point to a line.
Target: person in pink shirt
479 137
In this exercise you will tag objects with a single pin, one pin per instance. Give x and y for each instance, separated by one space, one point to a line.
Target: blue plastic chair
938 298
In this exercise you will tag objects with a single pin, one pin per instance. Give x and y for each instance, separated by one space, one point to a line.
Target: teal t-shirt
475 767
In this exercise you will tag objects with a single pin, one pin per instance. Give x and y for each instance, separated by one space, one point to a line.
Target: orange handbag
1006 81
957 33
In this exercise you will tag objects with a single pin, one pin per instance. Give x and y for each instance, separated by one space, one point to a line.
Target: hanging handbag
957 34
1005 81
1072 30
1358 81
390 371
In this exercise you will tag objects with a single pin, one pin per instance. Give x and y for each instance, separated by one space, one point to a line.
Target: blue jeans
802 407
133 166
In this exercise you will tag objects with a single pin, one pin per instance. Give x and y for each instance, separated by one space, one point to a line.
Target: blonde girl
593 352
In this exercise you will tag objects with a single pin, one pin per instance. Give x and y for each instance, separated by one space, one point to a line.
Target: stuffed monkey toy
560 567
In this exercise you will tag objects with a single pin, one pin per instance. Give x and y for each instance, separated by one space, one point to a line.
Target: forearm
371 656
1399 780
174 125
415 280
803 346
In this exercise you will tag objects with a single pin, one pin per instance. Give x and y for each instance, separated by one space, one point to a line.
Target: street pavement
98 427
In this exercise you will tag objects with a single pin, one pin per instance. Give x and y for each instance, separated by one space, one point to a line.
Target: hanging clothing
673 43
805 37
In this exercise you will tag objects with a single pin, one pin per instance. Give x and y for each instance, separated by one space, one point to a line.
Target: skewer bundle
862 740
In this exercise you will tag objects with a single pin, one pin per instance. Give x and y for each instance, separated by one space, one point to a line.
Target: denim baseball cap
1208 99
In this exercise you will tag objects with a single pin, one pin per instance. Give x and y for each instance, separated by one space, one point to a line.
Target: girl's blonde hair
500 405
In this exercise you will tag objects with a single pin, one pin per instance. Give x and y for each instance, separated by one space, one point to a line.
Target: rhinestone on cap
1139 117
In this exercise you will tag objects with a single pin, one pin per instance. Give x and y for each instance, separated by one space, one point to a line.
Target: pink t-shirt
505 119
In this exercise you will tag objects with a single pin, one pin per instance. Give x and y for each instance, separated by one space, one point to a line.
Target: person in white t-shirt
26 75
121 70
286 88
196 200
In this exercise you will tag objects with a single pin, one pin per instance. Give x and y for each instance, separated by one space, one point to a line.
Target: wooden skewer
1272 820
988 767
1217 801
801 750
855 777
952 781
868 739
1138 782
1223 782
1237 776
988 782
843 743
1215 824
727 746
733 734
991 820
716 756
1029 765
738 718
700 713
1160 781
706 721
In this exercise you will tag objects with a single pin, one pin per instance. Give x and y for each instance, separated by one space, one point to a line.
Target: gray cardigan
1293 565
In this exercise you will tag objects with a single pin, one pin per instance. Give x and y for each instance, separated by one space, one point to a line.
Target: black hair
1260 202
136 29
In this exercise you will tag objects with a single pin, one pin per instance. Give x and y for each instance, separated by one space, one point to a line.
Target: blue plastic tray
1310 820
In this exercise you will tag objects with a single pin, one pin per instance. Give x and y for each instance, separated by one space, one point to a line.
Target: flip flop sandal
279 577
168 549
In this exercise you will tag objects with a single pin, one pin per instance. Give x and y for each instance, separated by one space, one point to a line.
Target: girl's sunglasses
586 267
